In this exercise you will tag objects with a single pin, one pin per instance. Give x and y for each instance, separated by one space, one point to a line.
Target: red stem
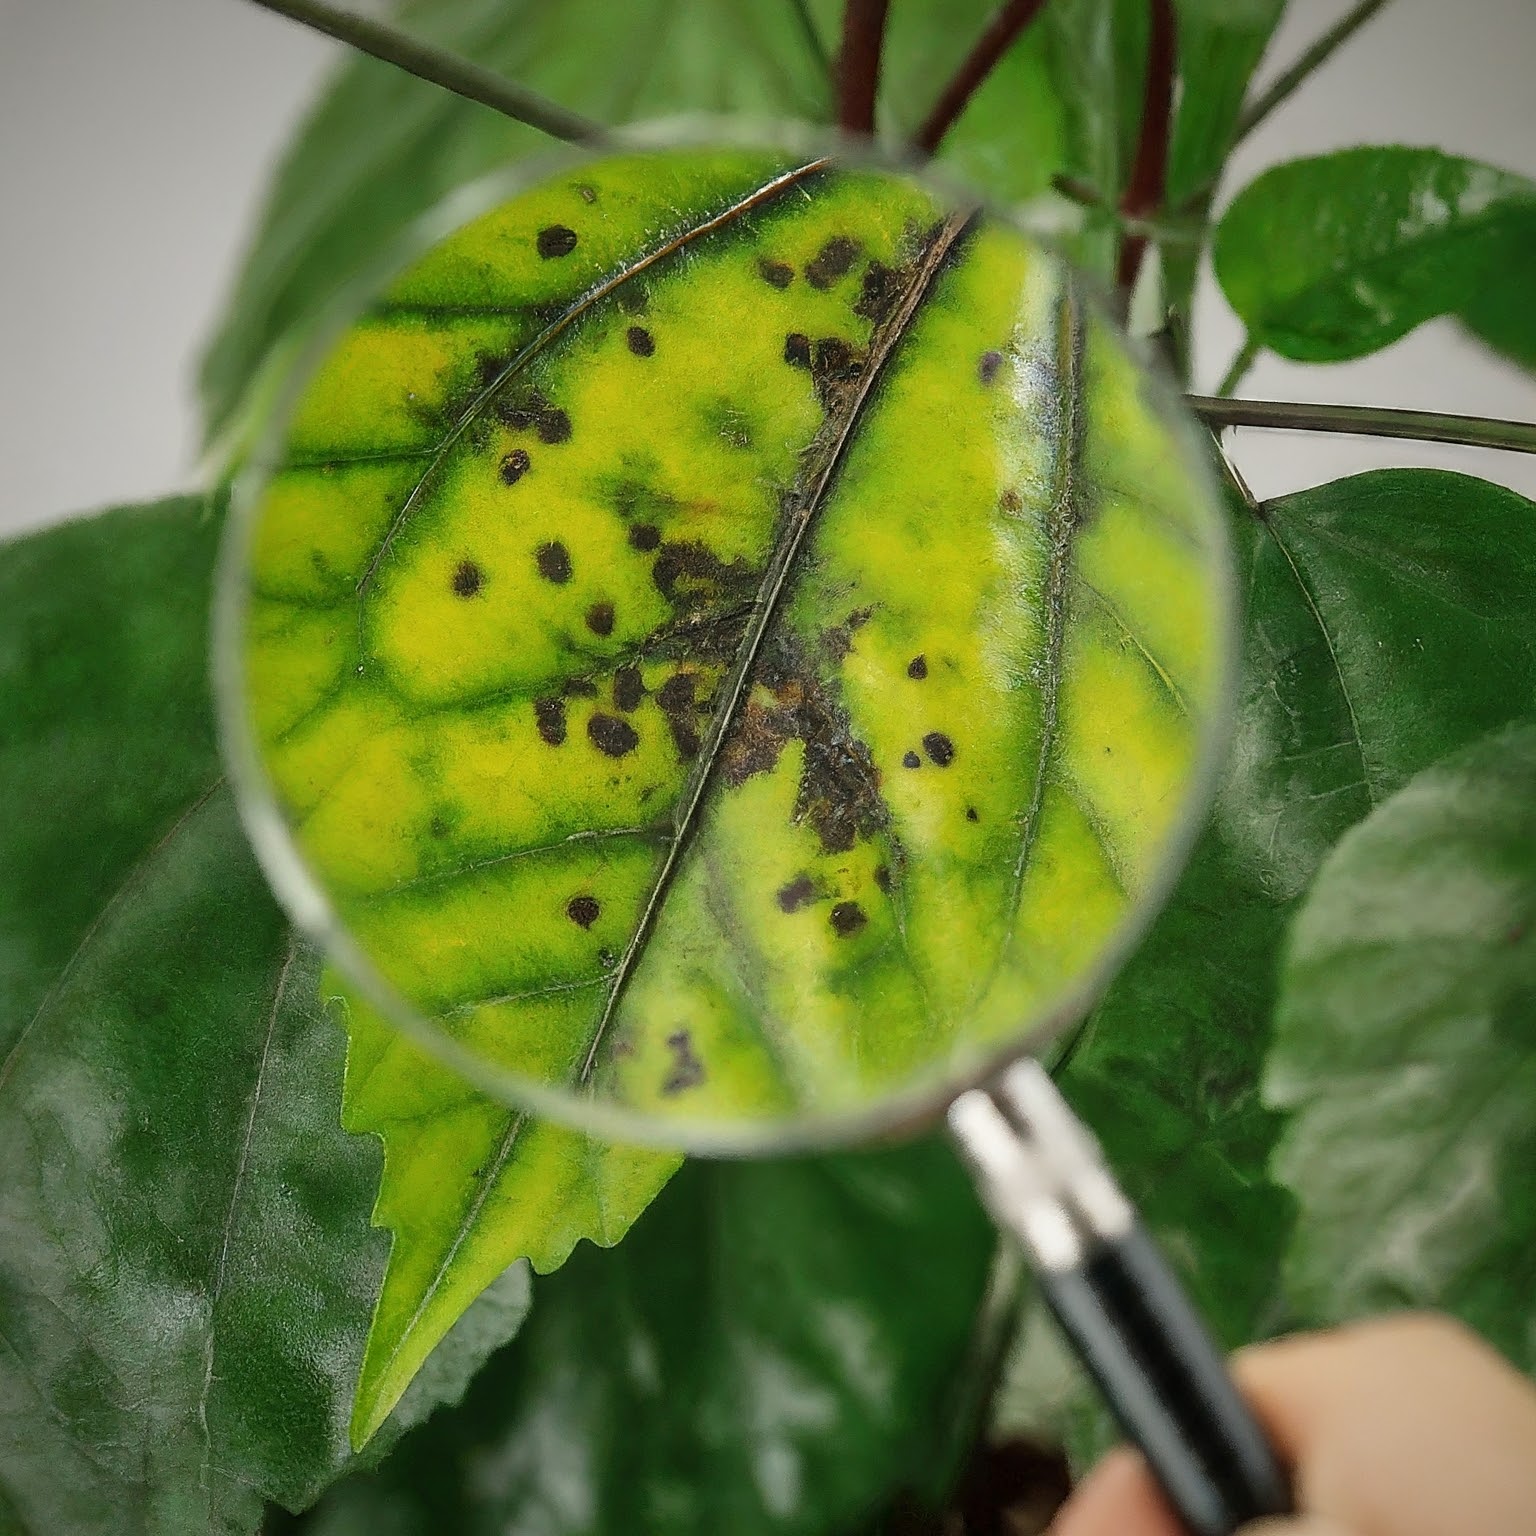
1145 190
1007 22
858 64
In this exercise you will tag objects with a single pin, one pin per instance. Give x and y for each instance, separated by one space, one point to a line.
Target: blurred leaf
1388 621
1499 310
773 1348
1405 1050
1220 44
186 1268
381 147
1336 256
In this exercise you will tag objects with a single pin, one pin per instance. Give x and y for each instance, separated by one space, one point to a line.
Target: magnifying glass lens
725 643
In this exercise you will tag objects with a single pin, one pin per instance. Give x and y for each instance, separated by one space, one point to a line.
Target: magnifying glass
726 647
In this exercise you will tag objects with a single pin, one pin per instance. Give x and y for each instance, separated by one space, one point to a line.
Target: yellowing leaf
732 640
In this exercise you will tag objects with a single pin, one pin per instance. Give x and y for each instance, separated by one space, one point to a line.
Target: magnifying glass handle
1120 1304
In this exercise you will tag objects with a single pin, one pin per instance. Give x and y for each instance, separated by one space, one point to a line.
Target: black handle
1166 1382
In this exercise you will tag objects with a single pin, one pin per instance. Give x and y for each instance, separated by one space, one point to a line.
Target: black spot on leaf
800 892
917 668
988 366
554 562
640 341
550 714
628 688
644 536
556 240
940 749
883 877
579 688
970 813
911 760
834 260
515 466
687 1070
611 736
600 619
553 426
777 274
797 349
467 578
847 918
1011 502
882 288
583 910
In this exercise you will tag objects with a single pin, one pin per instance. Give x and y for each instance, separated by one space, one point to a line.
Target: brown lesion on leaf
687 1070
796 893
833 261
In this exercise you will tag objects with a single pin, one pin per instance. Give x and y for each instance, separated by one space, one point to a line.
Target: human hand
1405 1426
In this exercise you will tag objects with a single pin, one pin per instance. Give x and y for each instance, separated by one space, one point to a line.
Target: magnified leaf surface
729 634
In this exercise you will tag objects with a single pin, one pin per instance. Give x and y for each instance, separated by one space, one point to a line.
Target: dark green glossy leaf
773 1349
1388 622
1500 311
381 147
1405 1050
1336 256
186 1269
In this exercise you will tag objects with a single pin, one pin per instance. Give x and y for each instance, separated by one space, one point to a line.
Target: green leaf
1336 256
1220 43
1388 622
186 1269
694 607
1405 1049
1499 310
773 1349
381 148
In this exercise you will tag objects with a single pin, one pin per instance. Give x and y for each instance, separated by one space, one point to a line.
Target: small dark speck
583 910
556 240
467 578
847 918
798 893
883 877
987 368
917 668
687 1070
777 274
940 749
644 536
797 349
606 957
515 466
587 193
834 260
600 618
1011 501
911 760
970 813
550 714
553 426
554 561
628 688
611 736
640 340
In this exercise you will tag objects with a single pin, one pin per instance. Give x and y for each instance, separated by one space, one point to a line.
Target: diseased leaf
772 1350
712 640
1388 622
186 1269
1338 255
1405 1050
381 147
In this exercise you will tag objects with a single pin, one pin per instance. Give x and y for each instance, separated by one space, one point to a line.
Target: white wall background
135 136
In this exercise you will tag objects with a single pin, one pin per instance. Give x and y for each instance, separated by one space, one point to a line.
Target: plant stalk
1322 49
439 67
858 64
812 35
1237 369
1367 421
1144 191
1007 23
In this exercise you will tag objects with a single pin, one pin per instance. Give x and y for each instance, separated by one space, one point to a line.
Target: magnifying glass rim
301 893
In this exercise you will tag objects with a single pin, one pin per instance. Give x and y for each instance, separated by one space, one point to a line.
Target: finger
1118 1498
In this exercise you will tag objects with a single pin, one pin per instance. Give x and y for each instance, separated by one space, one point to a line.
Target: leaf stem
1322 49
471 81
1008 21
812 34
1143 196
1367 421
858 64
1237 369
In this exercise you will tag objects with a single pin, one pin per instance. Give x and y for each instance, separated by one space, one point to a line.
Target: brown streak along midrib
825 458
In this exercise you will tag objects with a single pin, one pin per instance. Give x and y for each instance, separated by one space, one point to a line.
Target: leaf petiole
1367 421
439 67
1008 21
